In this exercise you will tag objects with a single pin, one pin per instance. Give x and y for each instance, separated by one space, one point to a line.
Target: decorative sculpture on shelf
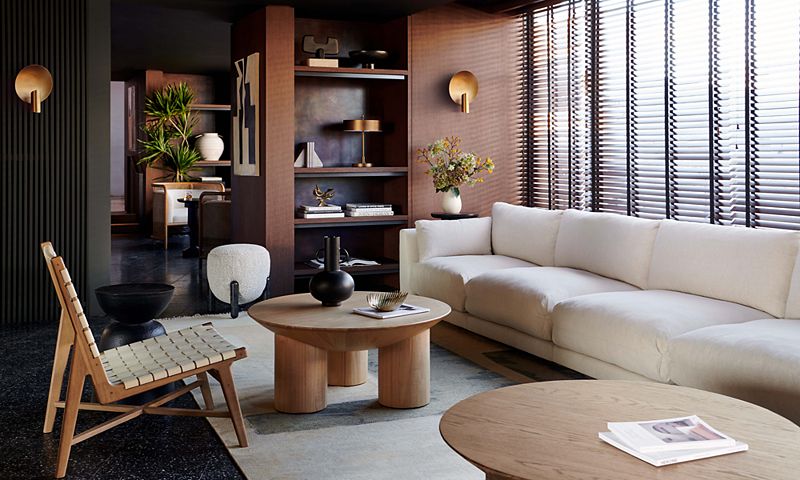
321 51
308 157
323 197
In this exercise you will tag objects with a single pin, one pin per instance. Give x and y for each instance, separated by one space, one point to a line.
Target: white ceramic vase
210 146
451 201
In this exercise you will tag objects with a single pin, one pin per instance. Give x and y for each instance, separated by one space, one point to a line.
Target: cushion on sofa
743 265
793 300
444 278
526 233
757 361
608 244
632 329
523 298
437 238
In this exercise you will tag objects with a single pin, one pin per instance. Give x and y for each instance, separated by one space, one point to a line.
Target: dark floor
151 447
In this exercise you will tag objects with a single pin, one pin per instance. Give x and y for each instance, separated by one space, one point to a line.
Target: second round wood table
317 346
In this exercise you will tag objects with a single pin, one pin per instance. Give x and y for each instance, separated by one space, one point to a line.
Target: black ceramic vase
331 286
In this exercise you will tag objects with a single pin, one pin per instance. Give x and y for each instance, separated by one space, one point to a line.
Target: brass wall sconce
363 126
463 89
33 85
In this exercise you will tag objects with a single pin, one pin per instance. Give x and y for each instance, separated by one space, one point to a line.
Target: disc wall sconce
33 85
463 89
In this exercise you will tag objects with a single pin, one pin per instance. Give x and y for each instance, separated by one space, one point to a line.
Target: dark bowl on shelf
368 57
134 303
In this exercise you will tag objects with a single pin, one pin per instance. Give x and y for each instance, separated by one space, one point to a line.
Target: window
684 109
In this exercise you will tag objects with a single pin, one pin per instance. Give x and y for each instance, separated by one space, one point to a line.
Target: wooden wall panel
444 41
54 166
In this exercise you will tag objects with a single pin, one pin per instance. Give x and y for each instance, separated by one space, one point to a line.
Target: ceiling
193 36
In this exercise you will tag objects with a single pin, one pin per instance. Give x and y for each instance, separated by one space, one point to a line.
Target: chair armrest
409 258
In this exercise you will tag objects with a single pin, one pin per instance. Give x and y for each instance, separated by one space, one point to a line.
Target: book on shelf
318 209
323 215
671 440
356 206
353 262
402 311
370 212
322 62
210 179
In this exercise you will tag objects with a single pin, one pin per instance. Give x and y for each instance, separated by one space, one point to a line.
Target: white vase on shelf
451 201
210 146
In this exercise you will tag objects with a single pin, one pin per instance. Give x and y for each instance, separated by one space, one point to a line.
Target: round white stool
238 273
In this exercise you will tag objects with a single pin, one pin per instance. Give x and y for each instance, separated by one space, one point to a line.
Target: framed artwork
245 117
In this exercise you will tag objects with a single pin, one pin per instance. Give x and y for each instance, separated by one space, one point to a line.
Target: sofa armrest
409 257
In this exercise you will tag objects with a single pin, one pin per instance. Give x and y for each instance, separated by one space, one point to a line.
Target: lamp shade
362 125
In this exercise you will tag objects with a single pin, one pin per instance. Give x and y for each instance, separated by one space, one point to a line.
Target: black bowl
134 302
369 57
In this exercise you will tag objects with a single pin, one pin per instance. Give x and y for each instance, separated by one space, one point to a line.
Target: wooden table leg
404 373
346 369
301 376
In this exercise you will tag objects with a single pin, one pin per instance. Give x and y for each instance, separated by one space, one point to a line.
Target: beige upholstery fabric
526 233
161 357
409 258
470 236
607 244
523 298
444 278
632 329
743 265
501 333
793 300
757 361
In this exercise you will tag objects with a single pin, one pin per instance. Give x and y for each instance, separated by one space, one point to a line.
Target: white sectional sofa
616 297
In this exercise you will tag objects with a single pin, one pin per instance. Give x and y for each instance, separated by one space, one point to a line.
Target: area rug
354 437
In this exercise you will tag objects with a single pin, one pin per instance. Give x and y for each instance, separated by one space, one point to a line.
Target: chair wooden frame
160 223
204 197
85 360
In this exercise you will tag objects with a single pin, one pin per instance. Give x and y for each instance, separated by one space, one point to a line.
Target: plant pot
451 201
331 286
210 146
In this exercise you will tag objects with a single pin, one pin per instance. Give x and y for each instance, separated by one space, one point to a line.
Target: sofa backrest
742 265
793 300
445 238
525 233
608 244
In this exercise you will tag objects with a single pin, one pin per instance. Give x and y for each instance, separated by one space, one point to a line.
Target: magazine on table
659 459
353 262
402 310
680 433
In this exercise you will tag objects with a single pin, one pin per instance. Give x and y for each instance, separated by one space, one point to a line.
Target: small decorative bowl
386 301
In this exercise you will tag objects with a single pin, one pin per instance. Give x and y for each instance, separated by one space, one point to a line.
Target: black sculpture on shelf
332 286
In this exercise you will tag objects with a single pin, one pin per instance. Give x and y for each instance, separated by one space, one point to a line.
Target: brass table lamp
363 126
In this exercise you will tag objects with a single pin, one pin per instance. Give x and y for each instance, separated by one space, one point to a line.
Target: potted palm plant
167 130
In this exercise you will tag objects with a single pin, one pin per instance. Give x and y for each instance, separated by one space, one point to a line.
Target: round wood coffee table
317 346
549 430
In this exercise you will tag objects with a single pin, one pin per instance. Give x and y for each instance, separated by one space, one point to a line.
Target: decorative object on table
132 307
193 221
451 168
315 211
246 139
331 286
323 197
401 311
238 274
453 216
321 51
319 262
33 85
362 126
368 58
386 301
167 131
463 89
210 145
369 210
308 157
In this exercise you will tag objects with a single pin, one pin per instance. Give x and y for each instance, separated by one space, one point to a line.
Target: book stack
672 440
369 210
313 211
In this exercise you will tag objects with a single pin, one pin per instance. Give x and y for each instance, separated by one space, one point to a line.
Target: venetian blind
684 109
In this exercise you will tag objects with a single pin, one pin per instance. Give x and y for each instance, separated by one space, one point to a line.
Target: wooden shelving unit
324 172
210 107
350 221
355 73
213 163
387 266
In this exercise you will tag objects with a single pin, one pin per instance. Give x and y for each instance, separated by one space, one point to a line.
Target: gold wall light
362 126
34 84
463 89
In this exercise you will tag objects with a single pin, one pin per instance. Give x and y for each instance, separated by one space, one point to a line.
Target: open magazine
402 310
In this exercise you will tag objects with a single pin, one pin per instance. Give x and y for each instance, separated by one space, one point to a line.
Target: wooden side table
317 346
453 216
549 430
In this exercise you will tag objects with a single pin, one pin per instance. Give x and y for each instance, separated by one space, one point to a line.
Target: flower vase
331 286
451 201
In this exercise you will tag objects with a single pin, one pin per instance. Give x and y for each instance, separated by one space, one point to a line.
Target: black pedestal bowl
134 303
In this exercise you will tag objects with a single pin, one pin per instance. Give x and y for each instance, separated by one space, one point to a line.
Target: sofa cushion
526 233
608 244
523 298
743 265
470 236
793 300
632 329
444 278
757 361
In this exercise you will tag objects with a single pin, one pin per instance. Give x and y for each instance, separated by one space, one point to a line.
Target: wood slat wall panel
51 163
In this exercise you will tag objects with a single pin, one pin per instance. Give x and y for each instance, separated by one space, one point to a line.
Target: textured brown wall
444 41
